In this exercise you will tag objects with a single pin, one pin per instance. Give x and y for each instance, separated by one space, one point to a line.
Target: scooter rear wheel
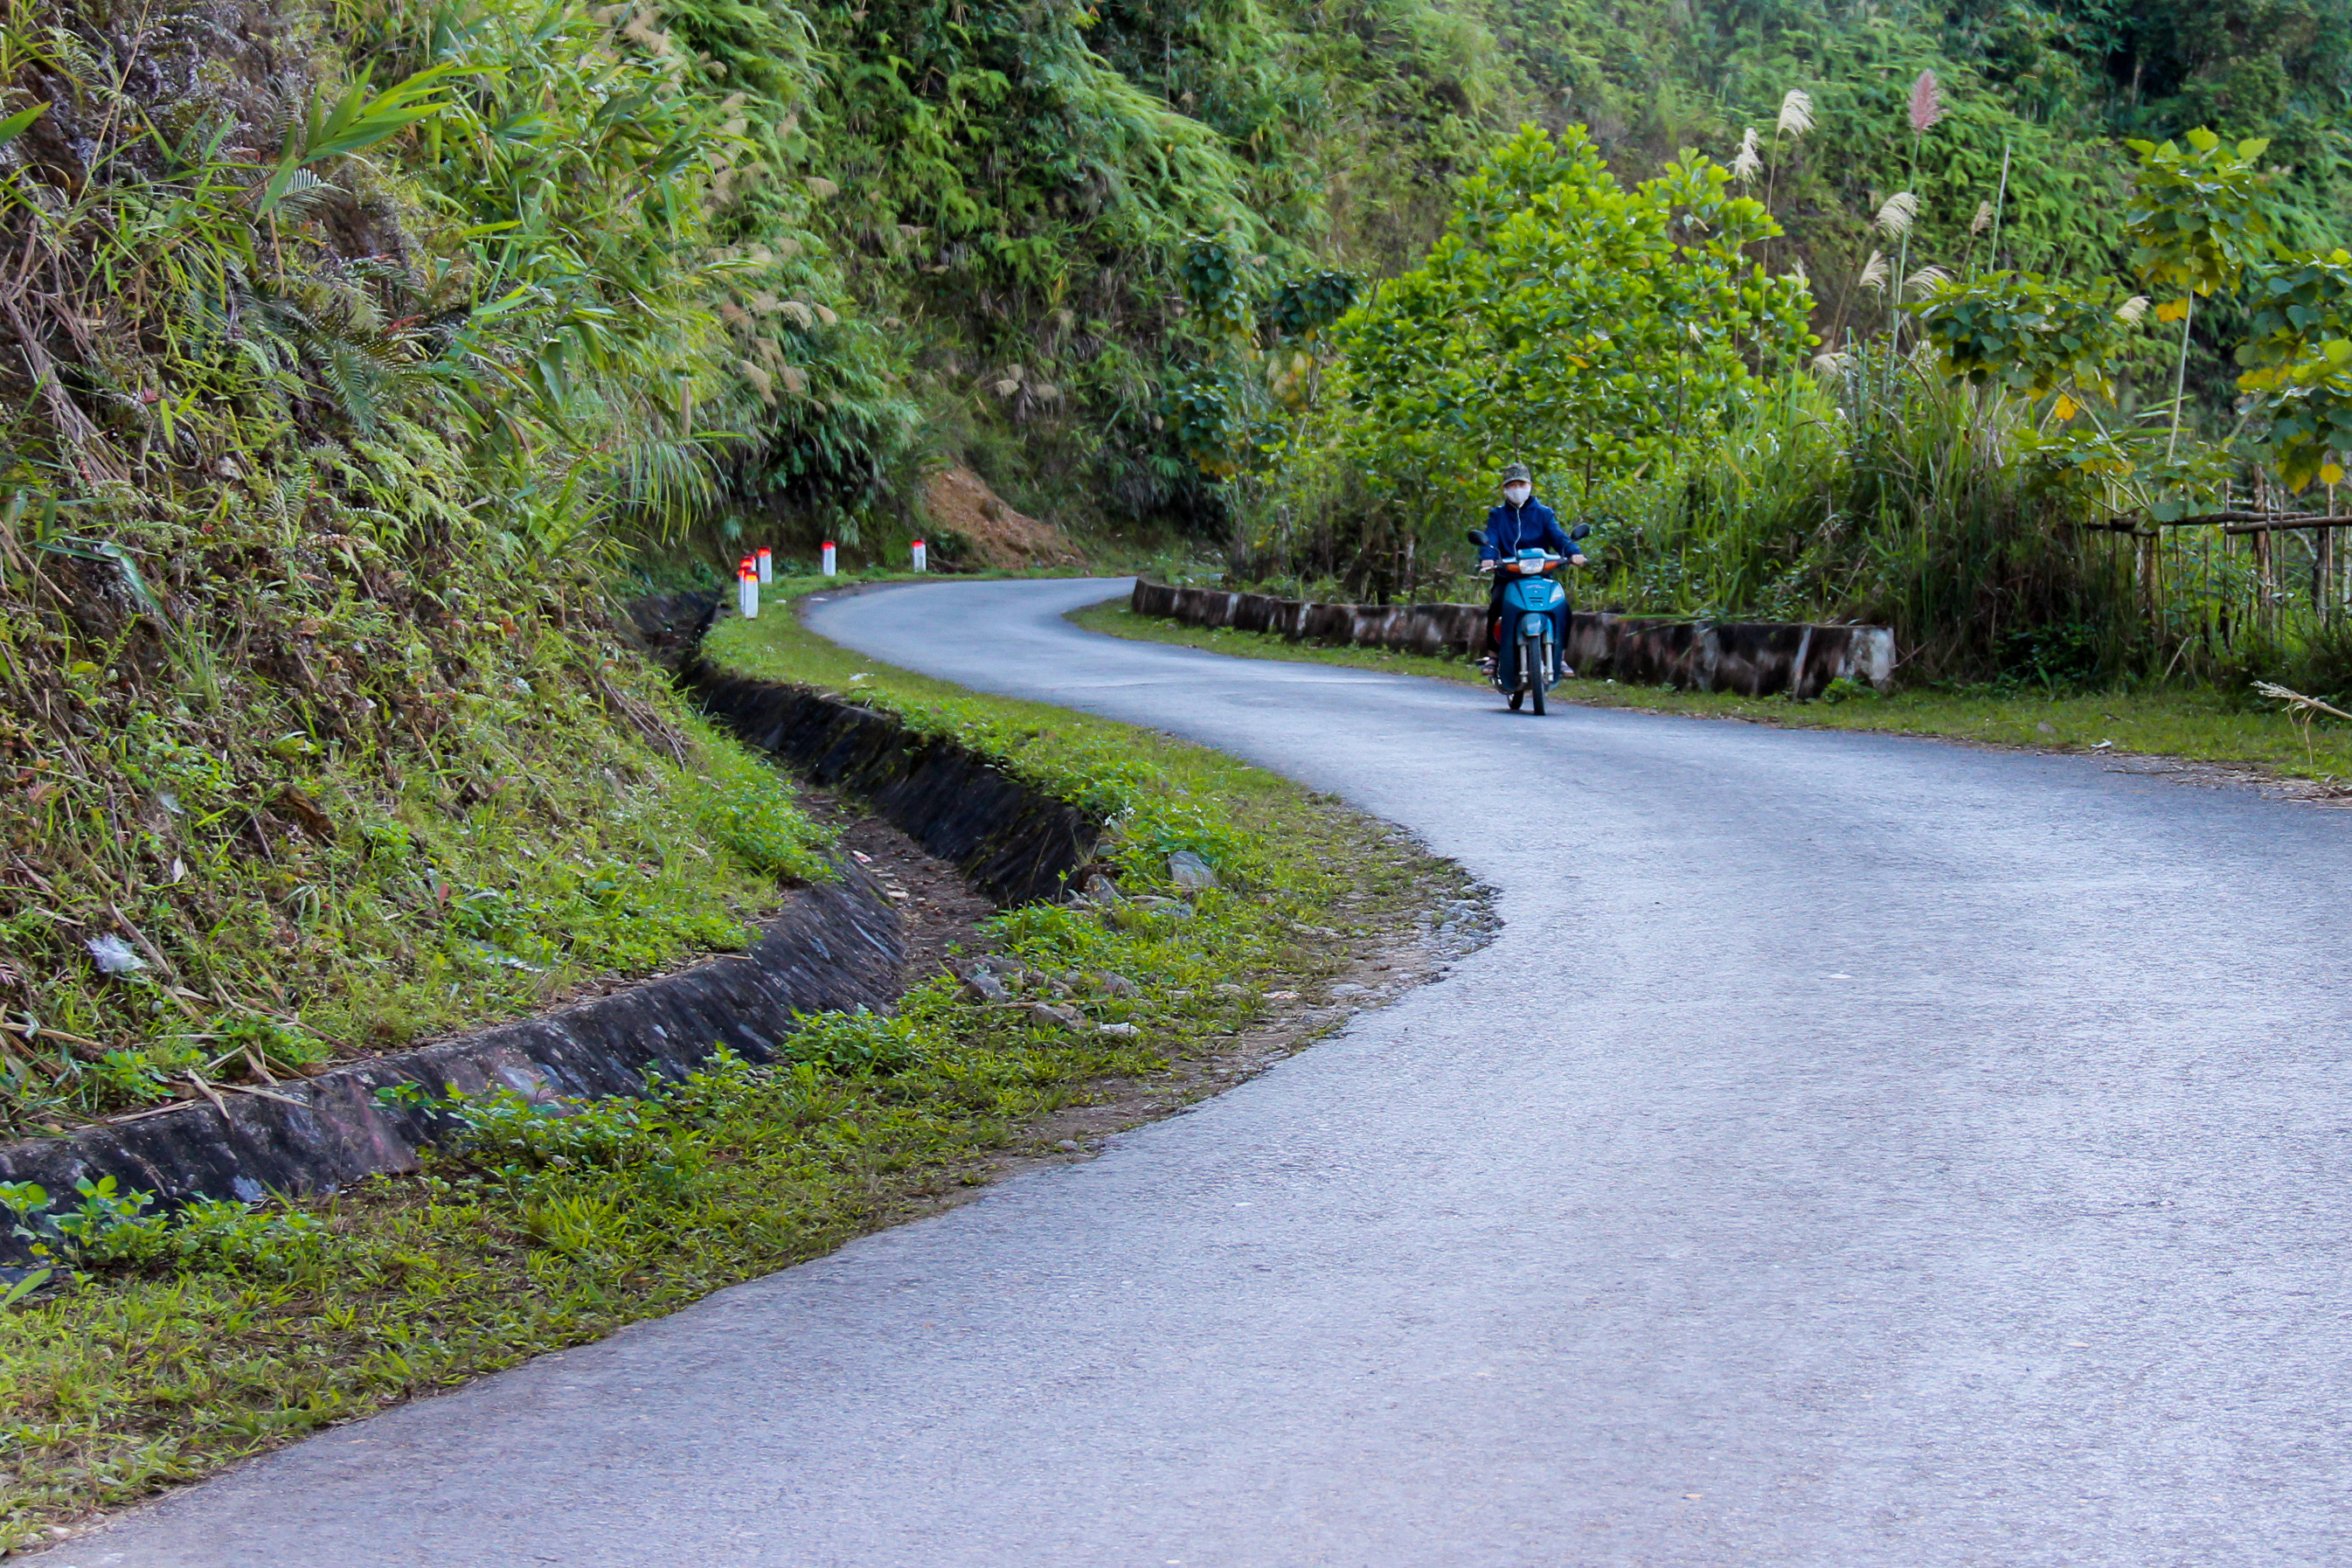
1533 657
1515 699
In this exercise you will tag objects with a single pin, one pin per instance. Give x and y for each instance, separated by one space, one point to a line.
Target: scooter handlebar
1546 564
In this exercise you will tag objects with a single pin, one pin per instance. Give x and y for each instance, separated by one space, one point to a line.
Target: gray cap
1517 472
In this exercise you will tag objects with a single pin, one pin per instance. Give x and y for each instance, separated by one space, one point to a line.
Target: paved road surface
1855 1150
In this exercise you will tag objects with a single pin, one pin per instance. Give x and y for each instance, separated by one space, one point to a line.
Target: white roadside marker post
767 565
922 564
828 558
747 589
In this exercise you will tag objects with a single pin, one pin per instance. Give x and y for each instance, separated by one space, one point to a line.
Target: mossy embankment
316 735
164 1349
236 852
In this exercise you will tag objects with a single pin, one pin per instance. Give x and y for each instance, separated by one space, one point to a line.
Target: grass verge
163 1349
2200 725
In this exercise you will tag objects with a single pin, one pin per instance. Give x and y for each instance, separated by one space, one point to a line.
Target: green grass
2202 725
171 1348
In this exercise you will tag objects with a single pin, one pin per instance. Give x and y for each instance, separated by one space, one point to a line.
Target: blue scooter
1528 660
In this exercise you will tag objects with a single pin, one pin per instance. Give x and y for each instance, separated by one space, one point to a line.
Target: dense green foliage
1981 522
319 734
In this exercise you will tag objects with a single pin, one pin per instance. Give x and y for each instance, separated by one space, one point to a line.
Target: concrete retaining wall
1755 658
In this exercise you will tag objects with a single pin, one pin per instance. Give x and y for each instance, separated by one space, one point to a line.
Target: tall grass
1897 499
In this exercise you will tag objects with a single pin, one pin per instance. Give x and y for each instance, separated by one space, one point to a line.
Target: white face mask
1517 494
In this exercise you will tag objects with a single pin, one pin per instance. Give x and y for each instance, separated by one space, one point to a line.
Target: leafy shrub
862 1043
503 1130
110 1229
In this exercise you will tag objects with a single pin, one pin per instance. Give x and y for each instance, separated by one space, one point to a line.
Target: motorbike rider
1521 522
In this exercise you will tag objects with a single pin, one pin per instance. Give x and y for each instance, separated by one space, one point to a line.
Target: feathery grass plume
2130 311
1894 218
1796 112
1874 272
1927 104
1830 362
1983 220
1747 162
1926 277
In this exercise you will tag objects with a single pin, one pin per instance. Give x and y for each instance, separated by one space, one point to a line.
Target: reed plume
1747 162
1927 104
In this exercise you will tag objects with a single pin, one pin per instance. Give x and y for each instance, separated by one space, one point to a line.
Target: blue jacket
1511 530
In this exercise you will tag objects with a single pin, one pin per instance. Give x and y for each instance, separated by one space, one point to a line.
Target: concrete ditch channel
833 946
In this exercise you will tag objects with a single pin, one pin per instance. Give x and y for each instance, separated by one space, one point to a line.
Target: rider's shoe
1486 665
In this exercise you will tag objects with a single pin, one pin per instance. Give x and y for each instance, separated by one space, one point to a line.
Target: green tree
2298 359
1567 322
2195 222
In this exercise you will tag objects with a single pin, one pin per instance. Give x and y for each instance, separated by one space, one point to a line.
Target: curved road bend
1854 1150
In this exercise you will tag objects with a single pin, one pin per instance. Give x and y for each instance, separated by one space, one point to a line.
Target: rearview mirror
1579 530
1477 538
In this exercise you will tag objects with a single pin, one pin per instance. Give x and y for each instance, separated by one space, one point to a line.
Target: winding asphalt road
1854 1150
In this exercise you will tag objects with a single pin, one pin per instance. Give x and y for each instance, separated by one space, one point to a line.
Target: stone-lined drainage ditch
833 946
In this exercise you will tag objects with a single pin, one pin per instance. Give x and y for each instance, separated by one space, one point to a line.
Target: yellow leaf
2172 310
2065 408
2330 473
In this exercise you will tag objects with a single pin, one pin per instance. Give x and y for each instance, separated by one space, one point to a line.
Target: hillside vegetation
353 351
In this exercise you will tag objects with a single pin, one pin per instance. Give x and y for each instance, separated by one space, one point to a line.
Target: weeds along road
1854 1150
